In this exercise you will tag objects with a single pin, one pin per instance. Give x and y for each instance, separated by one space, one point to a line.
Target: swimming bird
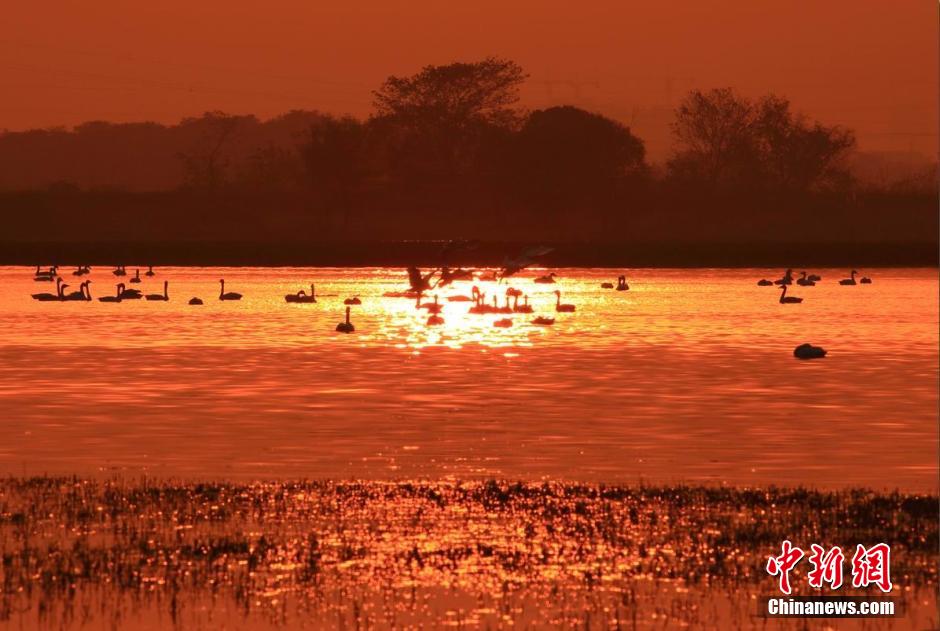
808 351
765 283
195 301
787 278
562 308
435 320
77 295
503 323
165 296
504 309
547 279
116 297
850 280
803 281
459 299
46 296
622 284
865 280
131 294
136 278
479 304
47 275
232 295
512 291
523 308
300 296
81 270
543 321
149 271
347 326
607 285
788 300
432 307
119 271
814 277
352 301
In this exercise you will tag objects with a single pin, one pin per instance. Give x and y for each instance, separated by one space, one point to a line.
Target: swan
787 278
803 281
46 296
81 270
547 279
48 275
432 307
354 301
195 301
347 326
164 296
136 278
542 320
150 271
300 296
622 284
814 277
435 320
478 302
788 300
77 295
119 271
865 280
562 308
512 291
504 323
808 351
850 280
459 299
227 296
116 297
504 309
131 294
764 283
607 285
523 308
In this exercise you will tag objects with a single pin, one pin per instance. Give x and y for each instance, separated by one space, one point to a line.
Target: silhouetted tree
566 153
797 155
334 157
713 130
205 166
433 121
728 142
271 168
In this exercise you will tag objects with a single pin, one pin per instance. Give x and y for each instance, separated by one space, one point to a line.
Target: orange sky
870 64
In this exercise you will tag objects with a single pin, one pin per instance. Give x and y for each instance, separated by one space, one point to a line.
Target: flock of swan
806 280
420 285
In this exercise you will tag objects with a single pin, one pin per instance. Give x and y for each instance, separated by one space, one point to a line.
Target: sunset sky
869 64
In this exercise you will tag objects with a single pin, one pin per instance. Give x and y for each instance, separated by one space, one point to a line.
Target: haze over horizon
630 61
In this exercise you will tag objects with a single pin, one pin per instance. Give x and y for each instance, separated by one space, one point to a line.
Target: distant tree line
450 145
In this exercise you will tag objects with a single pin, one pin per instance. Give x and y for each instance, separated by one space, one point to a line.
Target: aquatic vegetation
406 553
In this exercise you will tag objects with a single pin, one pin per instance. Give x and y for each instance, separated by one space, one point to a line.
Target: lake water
687 377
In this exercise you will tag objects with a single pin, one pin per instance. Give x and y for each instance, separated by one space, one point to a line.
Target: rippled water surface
688 376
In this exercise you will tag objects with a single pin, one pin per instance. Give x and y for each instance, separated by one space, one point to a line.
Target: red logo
870 566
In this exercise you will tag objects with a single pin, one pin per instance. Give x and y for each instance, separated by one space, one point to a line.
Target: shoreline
485 254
